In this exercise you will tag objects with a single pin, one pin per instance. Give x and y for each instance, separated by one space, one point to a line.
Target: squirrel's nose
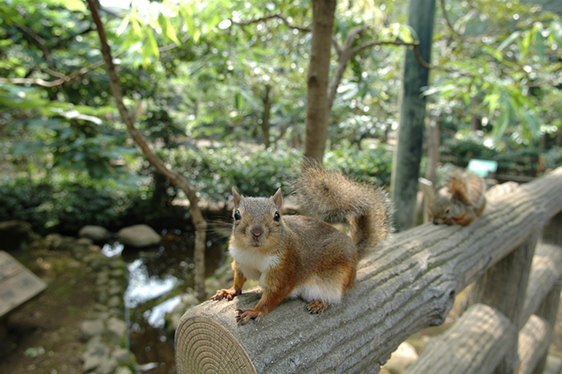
256 232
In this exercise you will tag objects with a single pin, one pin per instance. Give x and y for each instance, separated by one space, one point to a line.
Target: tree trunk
317 107
174 177
433 154
266 115
405 171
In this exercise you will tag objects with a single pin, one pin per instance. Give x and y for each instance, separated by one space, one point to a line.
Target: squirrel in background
461 201
299 255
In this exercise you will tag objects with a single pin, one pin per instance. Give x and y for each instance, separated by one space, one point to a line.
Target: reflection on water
143 287
155 316
153 274
112 249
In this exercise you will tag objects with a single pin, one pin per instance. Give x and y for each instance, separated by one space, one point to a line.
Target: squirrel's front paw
226 294
247 314
317 306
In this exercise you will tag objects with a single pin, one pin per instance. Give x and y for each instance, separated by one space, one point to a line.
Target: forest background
219 91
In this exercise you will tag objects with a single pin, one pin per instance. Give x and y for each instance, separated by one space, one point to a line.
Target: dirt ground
43 335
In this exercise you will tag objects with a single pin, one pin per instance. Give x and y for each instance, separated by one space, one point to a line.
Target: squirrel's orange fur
461 201
299 255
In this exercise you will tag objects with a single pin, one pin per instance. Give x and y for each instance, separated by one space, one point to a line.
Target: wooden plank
408 284
475 344
17 284
503 287
8 265
546 270
534 340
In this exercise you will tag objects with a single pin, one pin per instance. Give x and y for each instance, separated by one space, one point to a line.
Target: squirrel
461 201
299 255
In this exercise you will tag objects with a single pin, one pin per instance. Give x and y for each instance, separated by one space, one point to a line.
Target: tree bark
407 157
433 154
317 108
174 177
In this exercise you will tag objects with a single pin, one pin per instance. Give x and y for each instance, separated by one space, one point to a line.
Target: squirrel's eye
237 215
448 210
276 217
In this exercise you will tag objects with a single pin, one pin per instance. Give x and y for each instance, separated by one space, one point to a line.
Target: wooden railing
407 285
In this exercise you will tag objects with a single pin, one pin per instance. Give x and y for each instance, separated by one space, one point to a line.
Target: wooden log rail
407 285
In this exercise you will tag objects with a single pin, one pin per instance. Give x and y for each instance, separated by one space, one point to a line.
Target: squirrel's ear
278 198
236 197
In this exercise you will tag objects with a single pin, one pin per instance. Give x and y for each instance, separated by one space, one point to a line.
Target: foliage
66 203
258 172
512 157
501 67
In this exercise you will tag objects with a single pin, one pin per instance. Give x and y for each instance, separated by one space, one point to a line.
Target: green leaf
509 40
167 28
239 100
123 26
531 123
150 48
492 100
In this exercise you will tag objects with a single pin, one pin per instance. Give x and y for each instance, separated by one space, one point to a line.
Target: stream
158 276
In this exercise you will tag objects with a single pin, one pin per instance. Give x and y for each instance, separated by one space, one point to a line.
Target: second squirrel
300 256
461 201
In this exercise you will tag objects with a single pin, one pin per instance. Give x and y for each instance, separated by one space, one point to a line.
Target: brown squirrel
303 256
461 201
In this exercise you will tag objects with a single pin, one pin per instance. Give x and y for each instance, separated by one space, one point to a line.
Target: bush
256 172
63 204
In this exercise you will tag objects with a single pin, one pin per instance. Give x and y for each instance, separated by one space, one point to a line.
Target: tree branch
269 17
67 78
444 10
176 178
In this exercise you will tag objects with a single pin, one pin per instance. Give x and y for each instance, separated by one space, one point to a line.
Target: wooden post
548 309
503 287
408 284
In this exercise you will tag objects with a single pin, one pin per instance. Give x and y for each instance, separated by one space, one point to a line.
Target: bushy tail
458 188
331 196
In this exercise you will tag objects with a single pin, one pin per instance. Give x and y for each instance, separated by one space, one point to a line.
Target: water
157 278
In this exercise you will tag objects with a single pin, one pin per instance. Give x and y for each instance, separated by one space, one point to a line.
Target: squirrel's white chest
253 263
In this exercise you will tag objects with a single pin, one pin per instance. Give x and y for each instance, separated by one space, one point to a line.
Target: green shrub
255 172
65 204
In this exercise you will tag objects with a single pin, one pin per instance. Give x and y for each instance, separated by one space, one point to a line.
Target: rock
123 370
14 234
96 353
96 233
124 357
114 301
91 328
404 356
115 290
102 279
95 249
53 241
138 236
117 326
84 241
108 366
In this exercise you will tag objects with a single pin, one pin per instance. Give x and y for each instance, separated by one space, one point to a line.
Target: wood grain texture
474 345
408 284
534 340
546 270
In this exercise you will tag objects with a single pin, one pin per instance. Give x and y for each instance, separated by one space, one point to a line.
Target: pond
158 276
